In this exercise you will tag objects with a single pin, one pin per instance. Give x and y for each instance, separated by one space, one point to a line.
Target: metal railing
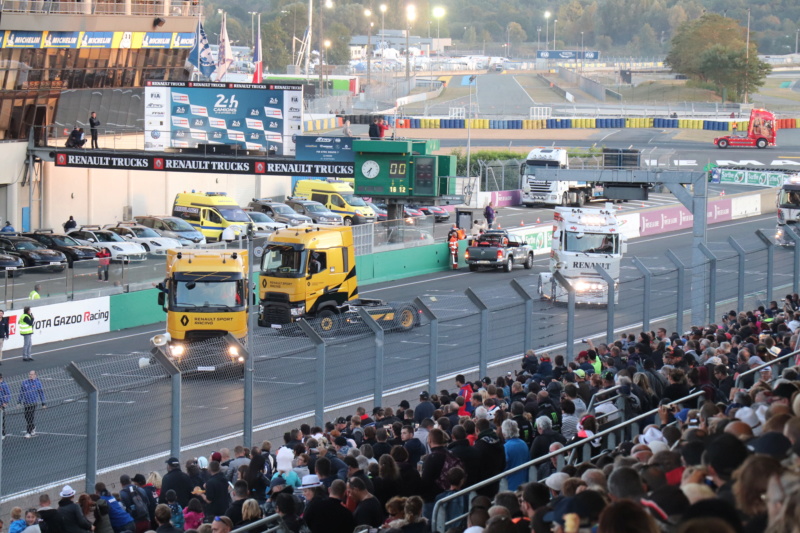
441 521
185 8
768 364
269 524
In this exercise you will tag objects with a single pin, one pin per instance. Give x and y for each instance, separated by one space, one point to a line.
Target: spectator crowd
725 460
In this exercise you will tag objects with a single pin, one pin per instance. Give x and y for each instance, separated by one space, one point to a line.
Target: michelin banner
96 39
58 322
258 117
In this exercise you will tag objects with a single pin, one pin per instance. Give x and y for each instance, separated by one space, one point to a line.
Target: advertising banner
22 39
568 54
757 178
95 39
629 224
58 322
250 116
538 237
676 217
322 148
506 198
208 164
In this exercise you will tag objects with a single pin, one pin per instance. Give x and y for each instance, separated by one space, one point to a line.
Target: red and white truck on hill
762 129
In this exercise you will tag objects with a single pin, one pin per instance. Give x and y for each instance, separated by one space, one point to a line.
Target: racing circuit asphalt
285 374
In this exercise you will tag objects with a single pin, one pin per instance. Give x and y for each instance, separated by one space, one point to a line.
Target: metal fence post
379 351
712 289
742 254
610 303
483 363
648 283
561 280
681 280
770 262
92 418
319 397
790 231
247 421
175 375
433 359
528 300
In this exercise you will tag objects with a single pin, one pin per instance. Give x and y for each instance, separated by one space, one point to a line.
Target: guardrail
758 368
441 521
270 524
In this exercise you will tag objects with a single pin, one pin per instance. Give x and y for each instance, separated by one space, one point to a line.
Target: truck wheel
529 262
509 266
473 268
348 221
406 318
761 143
581 199
328 320
722 143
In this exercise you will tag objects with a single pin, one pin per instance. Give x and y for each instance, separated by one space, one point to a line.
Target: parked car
65 244
173 227
381 215
318 212
262 223
279 211
150 240
33 253
412 215
439 214
121 250
11 264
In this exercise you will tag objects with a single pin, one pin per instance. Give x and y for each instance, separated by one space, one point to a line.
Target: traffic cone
521 222
642 204
722 193
538 220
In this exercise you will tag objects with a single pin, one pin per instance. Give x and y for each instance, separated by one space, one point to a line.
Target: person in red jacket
103 260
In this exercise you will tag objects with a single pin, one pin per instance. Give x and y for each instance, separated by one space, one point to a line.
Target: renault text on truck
211 213
762 129
788 204
538 191
582 239
205 296
311 273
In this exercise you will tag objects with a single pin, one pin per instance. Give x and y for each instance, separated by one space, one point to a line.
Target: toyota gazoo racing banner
58 322
259 117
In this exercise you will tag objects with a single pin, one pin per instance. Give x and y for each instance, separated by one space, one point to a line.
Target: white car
121 250
262 223
151 241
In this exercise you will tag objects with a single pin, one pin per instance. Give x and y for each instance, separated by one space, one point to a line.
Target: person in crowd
31 394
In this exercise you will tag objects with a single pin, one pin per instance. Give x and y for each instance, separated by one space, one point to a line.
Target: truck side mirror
161 299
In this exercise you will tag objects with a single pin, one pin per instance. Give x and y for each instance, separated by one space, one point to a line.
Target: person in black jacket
545 437
51 517
240 493
326 515
432 467
492 453
177 480
470 459
3 334
71 514
216 495
93 123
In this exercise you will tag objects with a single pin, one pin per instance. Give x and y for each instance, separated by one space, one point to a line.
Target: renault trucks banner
261 117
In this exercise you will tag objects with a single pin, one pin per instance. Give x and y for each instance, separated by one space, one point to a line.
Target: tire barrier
403 122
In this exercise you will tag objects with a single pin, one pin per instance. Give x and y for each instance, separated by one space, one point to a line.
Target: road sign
568 54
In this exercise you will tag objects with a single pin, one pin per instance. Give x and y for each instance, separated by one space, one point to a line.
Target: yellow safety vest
33 295
25 329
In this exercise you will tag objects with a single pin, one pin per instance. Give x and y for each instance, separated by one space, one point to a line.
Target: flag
225 52
258 75
200 56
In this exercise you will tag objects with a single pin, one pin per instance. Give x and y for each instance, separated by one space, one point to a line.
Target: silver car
318 212
173 227
279 212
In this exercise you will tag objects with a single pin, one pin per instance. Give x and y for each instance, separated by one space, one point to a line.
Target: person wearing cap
126 493
72 517
152 498
177 480
424 409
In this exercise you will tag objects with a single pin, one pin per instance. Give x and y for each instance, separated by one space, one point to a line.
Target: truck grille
539 187
277 314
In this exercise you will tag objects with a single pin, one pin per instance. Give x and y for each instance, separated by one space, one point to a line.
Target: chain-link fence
137 407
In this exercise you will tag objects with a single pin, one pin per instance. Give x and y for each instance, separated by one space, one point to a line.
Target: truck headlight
233 351
298 311
177 350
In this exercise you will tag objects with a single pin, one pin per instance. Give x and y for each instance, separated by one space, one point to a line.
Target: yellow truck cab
205 296
211 213
338 196
311 273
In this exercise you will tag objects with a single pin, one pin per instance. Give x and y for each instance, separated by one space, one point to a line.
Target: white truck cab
788 204
582 239
541 192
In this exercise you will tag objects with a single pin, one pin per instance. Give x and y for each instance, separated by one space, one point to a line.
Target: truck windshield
207 294
789 199
532 164
283 261
593 243
233 214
